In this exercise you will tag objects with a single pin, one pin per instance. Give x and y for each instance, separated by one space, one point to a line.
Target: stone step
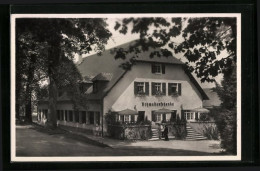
193 136
195 139
191 132
154 139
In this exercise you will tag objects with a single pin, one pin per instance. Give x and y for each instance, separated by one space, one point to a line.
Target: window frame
189 115
156 68
158 116
143 87
176 90
127 118
158 85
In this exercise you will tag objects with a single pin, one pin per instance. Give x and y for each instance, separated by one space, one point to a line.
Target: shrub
204 117
226 123
211 132
180 130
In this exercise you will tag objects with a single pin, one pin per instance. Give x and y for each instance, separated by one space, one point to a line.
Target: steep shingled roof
106 63
103 76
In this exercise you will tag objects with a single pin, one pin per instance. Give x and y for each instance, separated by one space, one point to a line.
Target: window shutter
164 88
147 88
153 70
135 87
179 89
132 118
163 68
169 89
153 117
153 88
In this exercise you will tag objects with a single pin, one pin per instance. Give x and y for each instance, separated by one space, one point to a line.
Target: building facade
150 86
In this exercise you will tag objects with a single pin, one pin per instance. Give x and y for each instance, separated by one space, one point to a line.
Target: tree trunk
52 115
28 92
54 58
28 109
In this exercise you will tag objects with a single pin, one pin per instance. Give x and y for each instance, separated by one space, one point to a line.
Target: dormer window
158 68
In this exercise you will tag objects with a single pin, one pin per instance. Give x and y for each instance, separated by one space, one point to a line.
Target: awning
127 112
201 110
162 111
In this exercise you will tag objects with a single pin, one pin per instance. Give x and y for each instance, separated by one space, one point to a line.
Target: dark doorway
173 116
140 117
91 117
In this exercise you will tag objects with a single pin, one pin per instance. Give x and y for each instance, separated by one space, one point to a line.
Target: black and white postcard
126 87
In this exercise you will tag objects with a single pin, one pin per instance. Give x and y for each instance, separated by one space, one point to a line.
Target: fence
130 132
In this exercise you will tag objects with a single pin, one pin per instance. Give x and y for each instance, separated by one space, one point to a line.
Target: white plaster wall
122 95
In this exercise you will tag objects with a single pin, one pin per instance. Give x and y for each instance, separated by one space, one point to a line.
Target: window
76 113
45 113
126 118
174 89
158 117
70 115
61 115
121 117
83 117
97 118
141 88
66 116
91 117
189 115
158 68
158 88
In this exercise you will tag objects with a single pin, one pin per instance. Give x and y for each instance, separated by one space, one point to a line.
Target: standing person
165 132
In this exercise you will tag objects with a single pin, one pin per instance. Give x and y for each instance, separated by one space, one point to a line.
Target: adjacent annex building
152 85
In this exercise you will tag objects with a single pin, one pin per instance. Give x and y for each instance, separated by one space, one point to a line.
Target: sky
118 39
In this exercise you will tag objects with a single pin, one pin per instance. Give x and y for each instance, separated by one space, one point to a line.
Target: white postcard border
14 158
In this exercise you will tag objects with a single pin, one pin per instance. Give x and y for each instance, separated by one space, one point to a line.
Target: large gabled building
152 85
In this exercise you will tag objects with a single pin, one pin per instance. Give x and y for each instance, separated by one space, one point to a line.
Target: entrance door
173 116
140 117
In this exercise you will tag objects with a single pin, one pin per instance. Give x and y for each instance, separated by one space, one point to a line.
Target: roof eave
159 62
193 80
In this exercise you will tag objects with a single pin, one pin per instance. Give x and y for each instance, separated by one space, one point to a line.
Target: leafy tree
60 39
226 117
